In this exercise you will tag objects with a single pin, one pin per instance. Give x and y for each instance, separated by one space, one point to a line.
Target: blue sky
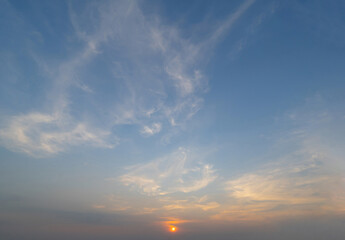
120 119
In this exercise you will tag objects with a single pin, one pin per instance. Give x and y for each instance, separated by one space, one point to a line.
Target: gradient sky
120 119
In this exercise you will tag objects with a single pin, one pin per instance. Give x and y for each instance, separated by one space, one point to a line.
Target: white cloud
39 135
154 129
152 75
208 176
173 173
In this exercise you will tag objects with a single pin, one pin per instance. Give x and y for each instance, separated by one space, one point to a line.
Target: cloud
40 134
151 75
303 175
154 129
290 184
224 27
189 204
170 186
173 173
299 185
248 35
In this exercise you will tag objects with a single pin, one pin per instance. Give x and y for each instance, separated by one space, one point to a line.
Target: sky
124 119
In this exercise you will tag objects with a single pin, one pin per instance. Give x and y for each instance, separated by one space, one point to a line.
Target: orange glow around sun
173 229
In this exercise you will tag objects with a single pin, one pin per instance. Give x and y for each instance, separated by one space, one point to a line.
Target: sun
173 229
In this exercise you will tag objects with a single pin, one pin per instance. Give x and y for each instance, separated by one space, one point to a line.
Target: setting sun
173 229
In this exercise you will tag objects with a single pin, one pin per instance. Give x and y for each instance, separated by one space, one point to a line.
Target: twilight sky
122 119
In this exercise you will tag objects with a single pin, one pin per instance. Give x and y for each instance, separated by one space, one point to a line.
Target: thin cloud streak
223 28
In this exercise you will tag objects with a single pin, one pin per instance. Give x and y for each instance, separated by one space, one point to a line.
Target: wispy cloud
162 207
290 187
292 183
301 176
285 190
306 179
149 131
173 173
39 134
151 78
189 204
229 22
248 34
